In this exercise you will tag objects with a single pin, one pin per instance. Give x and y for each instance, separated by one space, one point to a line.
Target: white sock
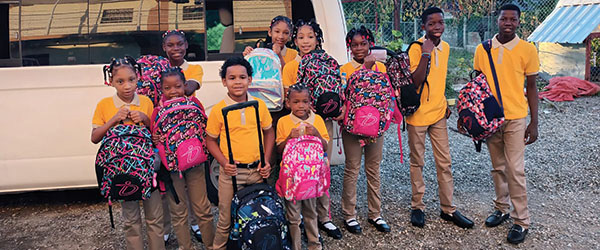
379 221
329 226
195 227
166 237
353 223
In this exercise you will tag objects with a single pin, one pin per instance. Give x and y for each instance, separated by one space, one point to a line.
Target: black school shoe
496 219
381 227
197 234
353 229
458 219
335 233
516 234
417 218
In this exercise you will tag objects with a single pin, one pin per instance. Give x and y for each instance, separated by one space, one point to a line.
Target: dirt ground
563 178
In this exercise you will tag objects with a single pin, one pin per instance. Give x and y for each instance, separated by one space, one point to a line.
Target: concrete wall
561 60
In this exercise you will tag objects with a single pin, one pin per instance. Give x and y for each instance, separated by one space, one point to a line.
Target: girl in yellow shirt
280 33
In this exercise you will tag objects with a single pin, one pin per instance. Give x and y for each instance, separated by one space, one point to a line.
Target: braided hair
315 27
169 33
277 20
362 31
173 71
116 63
298 88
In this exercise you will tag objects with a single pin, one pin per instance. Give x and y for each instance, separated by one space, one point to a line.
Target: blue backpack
258 220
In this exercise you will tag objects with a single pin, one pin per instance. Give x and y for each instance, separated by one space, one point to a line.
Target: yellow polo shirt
288 54
353 65
289 75
289 122
433 99
513 61
242 129
108 107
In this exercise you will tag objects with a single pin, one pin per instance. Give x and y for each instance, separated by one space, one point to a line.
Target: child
173 82
308 36
301 121
430 119
279 35
128 107
515 60
175 46
359 42
236 75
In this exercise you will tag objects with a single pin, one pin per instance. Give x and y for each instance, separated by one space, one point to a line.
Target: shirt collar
283 51
355 64
185 65
296 120
509 45
120 103
229 101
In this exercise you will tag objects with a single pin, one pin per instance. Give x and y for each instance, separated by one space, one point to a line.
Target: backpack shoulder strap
487 45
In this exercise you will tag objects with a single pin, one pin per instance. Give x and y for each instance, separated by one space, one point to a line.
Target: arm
295 133
215 151
99 132
531 133
139 117
311 130
420 74
190 87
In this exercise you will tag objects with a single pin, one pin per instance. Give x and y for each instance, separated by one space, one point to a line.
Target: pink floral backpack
181 123
304 170
370 103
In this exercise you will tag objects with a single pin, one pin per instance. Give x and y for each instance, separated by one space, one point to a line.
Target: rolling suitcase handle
237 106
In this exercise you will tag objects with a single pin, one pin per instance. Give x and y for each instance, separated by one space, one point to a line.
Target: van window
92 31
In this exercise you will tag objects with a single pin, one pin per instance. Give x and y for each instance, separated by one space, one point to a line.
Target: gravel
562 170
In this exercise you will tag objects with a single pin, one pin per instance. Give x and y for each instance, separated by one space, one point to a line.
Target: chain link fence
395 23
468 22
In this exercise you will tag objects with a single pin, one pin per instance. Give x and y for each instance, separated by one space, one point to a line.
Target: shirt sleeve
381 67
214 123
477 57
266 122
414 55
98 119
281 133
196 74
533 64
320 126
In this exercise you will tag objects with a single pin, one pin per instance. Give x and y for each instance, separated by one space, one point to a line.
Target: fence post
464 32
416 35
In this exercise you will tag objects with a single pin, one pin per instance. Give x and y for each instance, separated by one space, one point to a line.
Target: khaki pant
438 133
373 155
167 214
507 151
307 209
196 190
153 213
323 202
244 177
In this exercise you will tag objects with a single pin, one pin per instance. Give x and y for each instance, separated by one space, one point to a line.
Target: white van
47 110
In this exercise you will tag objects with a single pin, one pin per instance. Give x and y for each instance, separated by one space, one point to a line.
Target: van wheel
211 170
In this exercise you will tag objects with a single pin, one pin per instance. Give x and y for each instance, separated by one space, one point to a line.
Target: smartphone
379 54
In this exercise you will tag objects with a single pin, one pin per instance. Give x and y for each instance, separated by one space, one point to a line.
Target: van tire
211 175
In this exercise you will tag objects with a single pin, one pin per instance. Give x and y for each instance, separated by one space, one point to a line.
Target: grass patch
460 65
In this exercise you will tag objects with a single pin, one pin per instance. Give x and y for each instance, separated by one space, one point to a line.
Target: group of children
514 59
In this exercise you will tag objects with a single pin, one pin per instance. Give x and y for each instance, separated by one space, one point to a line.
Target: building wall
561 60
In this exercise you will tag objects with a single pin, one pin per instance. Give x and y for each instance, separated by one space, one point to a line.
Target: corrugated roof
568 24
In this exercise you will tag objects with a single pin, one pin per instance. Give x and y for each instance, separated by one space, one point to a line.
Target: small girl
301 121
175 45
129 108
173 85
308 36
359 42
279 34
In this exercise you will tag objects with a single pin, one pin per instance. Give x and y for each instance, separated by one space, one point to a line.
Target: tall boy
430 119
236 75
514 60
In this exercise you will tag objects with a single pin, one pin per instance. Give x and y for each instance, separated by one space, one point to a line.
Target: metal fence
468 22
